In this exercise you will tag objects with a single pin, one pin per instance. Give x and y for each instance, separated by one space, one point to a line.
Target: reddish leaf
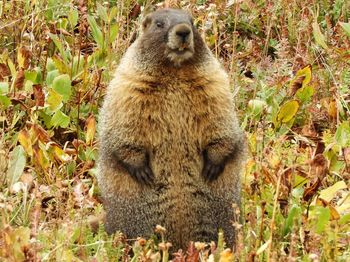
346 152
135 11
19 79
311 190
319 167
318 170
77 142
4 71
179 256
296 84
192 253
39 95
41 133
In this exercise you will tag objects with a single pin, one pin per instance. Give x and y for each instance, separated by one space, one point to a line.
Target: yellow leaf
329 193
41 158
23 57
344 204
287 111
226 256
17 240
12 67
90 129
332 109
60 154
307 72
20 58
24 140
319 37
301 79
334 213
263 247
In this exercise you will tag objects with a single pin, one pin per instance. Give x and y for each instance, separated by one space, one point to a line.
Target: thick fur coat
171 147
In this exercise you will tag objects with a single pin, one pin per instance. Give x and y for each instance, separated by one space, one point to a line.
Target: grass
289 62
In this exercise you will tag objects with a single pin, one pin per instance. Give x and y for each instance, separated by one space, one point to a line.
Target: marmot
171 147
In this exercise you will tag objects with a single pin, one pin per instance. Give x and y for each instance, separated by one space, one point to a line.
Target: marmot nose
183 33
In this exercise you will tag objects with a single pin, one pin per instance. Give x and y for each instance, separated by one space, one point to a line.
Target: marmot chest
174 115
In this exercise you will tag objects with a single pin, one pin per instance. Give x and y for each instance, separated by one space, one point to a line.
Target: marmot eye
160 24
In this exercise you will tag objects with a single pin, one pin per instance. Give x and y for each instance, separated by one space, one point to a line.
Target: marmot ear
146 21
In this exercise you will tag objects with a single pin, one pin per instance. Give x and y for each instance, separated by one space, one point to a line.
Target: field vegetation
289 62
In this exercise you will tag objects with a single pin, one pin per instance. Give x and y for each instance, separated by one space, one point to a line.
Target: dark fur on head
169 38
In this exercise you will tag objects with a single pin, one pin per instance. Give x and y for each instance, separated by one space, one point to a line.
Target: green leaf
287 111
4 87
305 93
299 181
62 85
342 135
60 46
102 12
34 76
77 65
346 28
60 119
30 75
60 65
319 37
113 13
113 32
51 76
16 165
294 212
73 17
345 219
54 100
323 215
96 31
28 86
5 101
256 106
50 65
46 118
98 57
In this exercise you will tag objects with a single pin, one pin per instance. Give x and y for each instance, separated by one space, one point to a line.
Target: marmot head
169 34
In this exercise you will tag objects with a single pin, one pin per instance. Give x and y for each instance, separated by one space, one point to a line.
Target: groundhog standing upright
171 146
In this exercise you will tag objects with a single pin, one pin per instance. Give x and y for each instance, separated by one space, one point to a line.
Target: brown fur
171 146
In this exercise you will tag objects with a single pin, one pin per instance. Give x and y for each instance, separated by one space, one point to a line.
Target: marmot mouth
181 51
179 55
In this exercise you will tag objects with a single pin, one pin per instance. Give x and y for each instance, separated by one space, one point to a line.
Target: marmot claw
142 174
212 171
